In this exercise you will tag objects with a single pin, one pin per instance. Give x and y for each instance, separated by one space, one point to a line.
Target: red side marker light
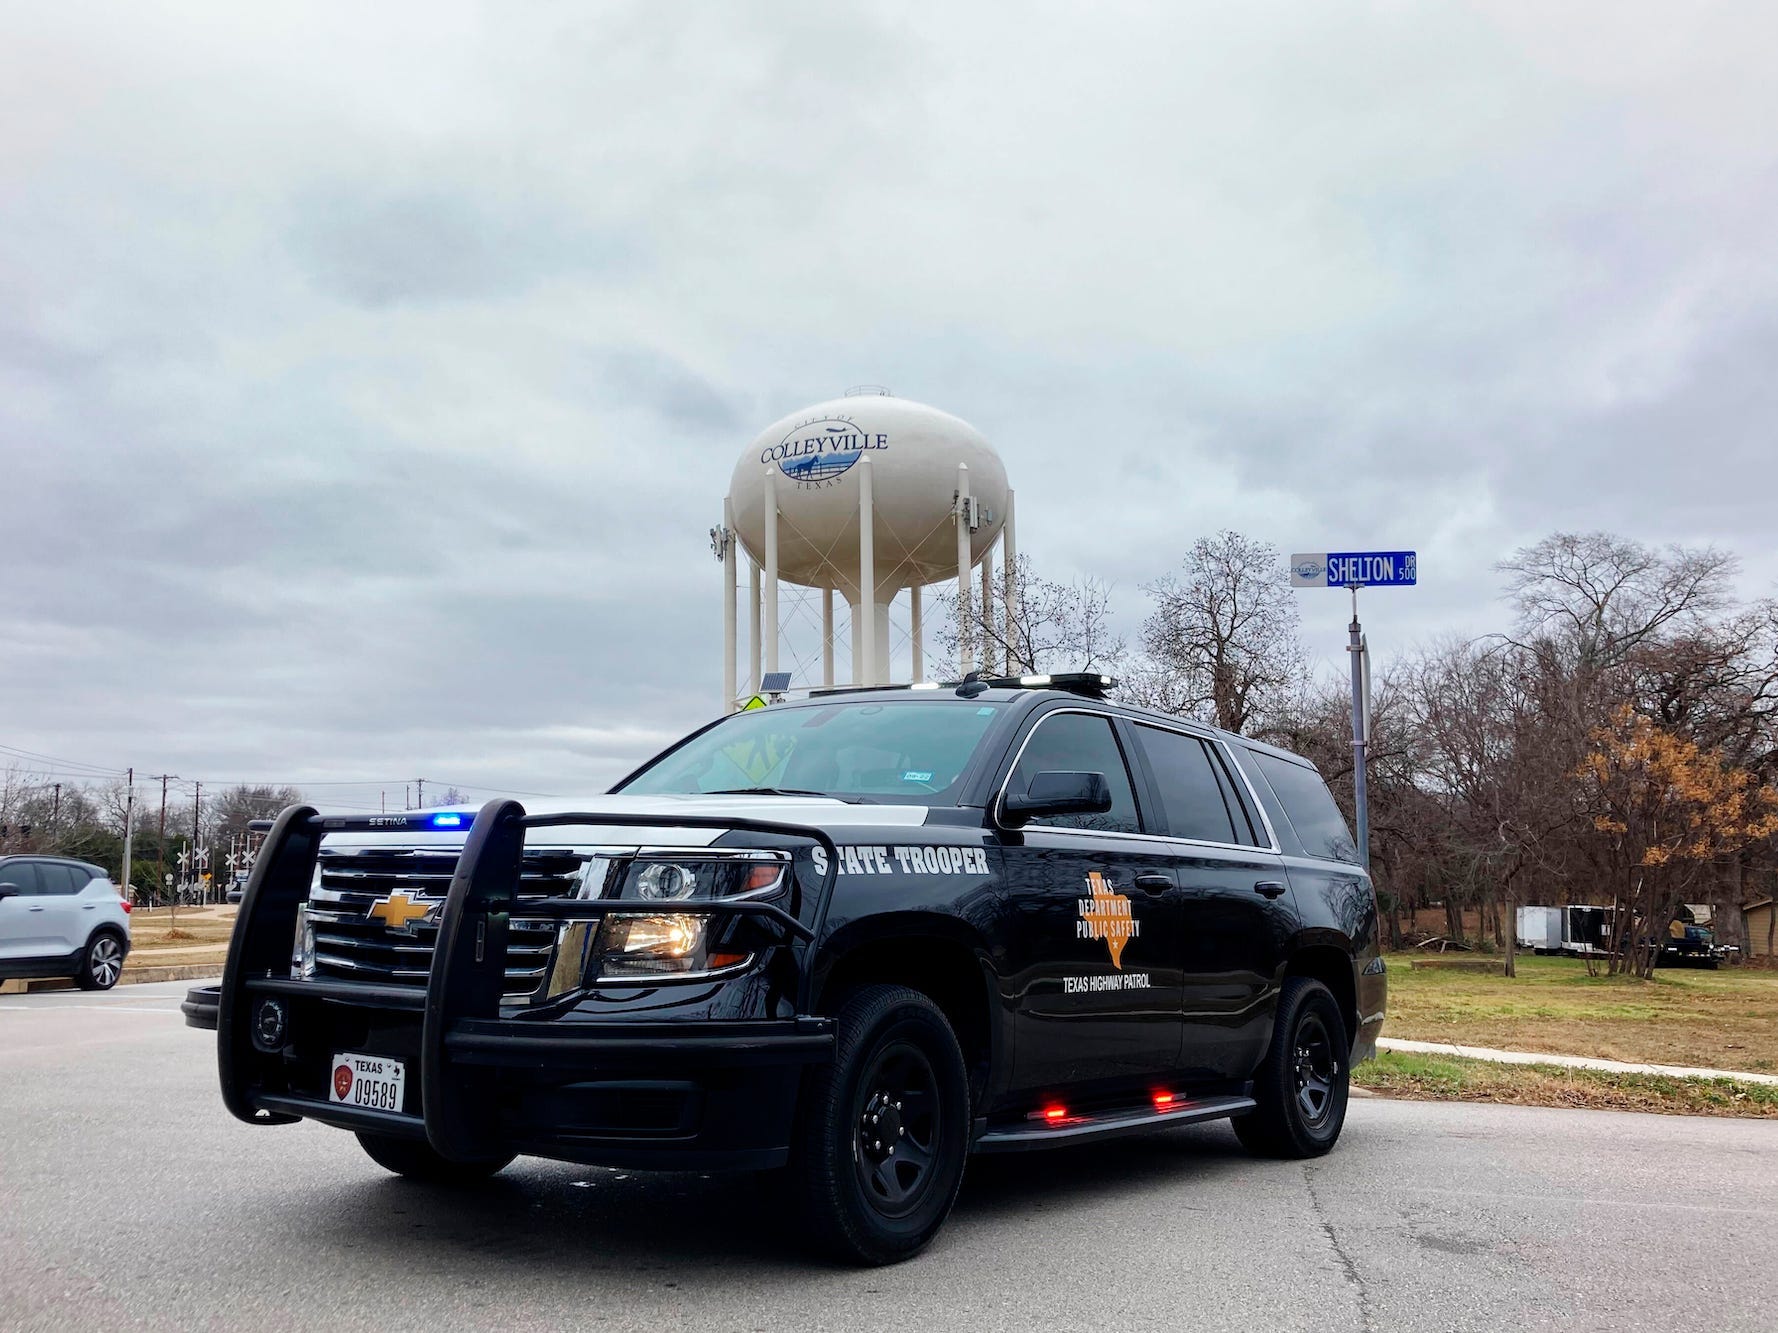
1055 1114
1163 1101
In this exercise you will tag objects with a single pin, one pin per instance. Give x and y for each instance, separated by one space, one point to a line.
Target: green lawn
1727 1019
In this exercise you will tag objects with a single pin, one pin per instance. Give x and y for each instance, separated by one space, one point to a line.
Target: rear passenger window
1248 829
1079 743
1310 808
60 881
1191 800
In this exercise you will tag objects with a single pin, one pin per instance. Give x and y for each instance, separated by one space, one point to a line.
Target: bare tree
1051 626
1222 642
230 811
1602 596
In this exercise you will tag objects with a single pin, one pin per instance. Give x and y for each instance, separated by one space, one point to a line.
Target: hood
821 811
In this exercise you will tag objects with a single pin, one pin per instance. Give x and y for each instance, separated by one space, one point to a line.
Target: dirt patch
1445 1078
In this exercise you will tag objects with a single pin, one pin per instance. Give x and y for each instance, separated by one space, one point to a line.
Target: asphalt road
129 1198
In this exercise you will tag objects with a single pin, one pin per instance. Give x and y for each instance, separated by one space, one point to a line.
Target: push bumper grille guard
467 975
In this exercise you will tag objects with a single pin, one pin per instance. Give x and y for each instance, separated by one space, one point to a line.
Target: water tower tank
811 461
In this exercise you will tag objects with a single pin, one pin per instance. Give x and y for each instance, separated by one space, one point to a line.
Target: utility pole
160 848
420 786
129 809
197 792
55 819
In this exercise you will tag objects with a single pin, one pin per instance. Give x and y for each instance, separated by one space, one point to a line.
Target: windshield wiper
791 791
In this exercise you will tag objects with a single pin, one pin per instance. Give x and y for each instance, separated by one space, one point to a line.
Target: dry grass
1726 1019
197 926
1441 1078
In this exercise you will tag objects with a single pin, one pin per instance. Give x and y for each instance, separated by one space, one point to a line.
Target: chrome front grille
351 945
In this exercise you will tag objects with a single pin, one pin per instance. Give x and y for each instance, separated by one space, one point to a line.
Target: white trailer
1540 928
1576 929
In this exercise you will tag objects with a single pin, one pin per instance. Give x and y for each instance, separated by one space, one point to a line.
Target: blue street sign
1354 569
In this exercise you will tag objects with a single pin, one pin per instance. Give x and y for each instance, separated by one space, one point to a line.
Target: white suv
61 918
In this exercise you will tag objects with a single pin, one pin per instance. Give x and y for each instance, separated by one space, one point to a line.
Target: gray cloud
368 380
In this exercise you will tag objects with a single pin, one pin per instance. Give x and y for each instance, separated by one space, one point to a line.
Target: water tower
868 496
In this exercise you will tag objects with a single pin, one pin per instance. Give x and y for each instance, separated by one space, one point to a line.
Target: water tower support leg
965 626
990 658
827 636
1009 597
753 623
919 663
728 607
864 628
771 606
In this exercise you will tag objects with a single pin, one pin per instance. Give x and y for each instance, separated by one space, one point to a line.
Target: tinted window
1310 808
1191 801
23 874
1248 829
1079 743
907 751
60 880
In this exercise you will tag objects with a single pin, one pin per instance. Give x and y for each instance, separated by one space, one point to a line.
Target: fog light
269 1025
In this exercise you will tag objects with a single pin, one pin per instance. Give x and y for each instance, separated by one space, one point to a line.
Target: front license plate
373 1081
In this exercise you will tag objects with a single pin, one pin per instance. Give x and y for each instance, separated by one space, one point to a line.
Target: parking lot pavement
128 1198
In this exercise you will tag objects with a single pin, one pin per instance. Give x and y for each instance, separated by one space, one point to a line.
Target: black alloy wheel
1314 1067
882 1132
898 1129
1301 1087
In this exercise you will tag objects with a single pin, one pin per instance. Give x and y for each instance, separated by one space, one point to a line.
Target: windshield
897 751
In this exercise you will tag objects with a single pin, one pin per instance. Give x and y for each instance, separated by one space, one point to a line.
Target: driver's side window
1079 743
23 875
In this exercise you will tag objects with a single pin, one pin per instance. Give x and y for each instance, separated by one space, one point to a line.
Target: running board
1083 1129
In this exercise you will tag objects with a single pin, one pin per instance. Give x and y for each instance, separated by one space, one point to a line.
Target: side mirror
1057 793
10 890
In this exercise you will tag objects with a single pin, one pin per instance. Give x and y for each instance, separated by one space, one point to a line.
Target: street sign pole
1360 726
1353 570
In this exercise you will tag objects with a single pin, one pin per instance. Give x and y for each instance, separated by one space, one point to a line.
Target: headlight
663 880
683 876
638 946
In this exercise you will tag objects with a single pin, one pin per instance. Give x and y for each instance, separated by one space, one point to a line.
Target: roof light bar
1091 684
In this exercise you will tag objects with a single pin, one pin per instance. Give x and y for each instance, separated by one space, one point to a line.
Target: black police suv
857 936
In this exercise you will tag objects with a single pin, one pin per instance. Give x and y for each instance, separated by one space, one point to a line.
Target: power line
304 784
97 769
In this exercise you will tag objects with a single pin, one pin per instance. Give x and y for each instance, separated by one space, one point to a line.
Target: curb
1566 1061
131 976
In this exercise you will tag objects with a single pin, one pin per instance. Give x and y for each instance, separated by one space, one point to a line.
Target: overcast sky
371 376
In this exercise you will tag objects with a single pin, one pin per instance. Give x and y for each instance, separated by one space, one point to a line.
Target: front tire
883 1131
417 1161
1302 1086
101 962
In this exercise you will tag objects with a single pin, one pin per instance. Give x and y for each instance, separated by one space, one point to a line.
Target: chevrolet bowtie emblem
399 912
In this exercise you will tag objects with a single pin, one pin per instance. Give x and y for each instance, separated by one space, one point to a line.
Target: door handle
89 907
33 909
1152 883
1269 888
